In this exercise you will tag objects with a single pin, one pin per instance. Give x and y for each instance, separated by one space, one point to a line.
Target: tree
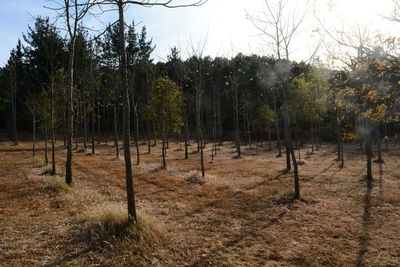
124 87
14 67
73 12
166 104
45 54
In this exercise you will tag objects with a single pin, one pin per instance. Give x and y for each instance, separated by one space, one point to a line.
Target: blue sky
167 27
222 22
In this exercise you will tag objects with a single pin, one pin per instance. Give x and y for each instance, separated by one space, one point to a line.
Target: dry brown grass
56 184
241 214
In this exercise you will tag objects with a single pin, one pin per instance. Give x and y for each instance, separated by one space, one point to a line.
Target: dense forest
77 91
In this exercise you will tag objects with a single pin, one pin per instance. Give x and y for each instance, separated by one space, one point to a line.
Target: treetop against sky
223 23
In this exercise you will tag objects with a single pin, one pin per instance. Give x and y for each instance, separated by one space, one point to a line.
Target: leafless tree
279 21
72 12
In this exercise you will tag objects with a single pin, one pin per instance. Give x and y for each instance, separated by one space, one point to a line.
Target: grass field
240 214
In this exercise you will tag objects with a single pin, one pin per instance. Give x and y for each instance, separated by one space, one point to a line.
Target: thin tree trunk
76 130
298 143
379 137
386 138
85 135
126 114
137 136
33 134
202 159
295 176
269 136
98 119
163 148
46 140
312 137
14 105
319 136
115 131
65 127
287 136
338 137
148 137
236 117
53 137
278 135
70 114
341 155
186 138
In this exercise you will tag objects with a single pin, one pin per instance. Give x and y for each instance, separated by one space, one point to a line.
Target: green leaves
165 106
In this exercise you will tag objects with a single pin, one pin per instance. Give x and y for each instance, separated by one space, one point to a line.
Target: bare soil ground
240 214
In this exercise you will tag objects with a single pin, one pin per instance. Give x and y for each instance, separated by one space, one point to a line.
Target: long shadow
212 254
69 258
19 149
380 181
327 168
365 236
232 195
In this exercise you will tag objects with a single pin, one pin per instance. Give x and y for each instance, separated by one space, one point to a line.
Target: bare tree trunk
163 148
126 114
53 137
341 155
14 104
379 137
70 114
219 124
296 176
312 137
186 137
93 121
386 138
319 136
148 138
269 136
338 137
115 131
287 136
98 119
199 130
33 133
236 117
298 143
278 134
202 159
137 135
85 136
46 140
76 129
65 128
249 133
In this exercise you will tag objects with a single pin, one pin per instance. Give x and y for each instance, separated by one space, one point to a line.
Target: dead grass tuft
109 223
57 185
80 150
47 172
195 179
302 162
108 227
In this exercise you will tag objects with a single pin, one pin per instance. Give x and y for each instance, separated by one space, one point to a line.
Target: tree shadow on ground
365 235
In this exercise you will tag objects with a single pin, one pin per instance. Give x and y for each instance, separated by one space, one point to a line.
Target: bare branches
279 22
395 15
145 3
73 11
